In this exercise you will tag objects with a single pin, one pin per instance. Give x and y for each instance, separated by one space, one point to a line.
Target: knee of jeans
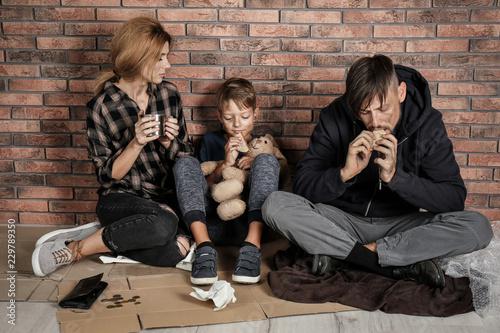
481 226
185 162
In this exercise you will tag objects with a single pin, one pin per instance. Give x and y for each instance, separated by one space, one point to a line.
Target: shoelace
62 256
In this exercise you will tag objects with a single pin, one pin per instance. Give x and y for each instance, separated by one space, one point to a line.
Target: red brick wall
295 51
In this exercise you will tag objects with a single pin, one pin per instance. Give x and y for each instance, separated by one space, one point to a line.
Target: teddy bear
229 191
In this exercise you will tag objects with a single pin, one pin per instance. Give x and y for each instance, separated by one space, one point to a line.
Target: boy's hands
232 152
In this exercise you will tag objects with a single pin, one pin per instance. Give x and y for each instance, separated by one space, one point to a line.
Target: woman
133 163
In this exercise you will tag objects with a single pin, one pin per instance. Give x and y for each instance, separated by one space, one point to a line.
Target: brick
223 59
276 4
7 193
270 101
71 71
285 116
200 128
400 4
5 139
196 44
18 42
34 28
274 59
72 180
24 205
463 3
89 58
5 112
195 73
476 201
45 193
91 3
187 15
220 30
40 113
15 179
67 99
446 74
308 16
5 216
475 146
484 160
323 4
468 30
80 140
175 29
457 131
81 85
72 206
82 219
21 99
485 15
403 31
252 45
282 30
484 45
37 85
374 46
36 56
205 87
299 129
373 16
198 100
495 201
42 167
205 114
329 88
83 167
470 117
47 218
492 132
86 194
469 60
91 29
443 45
16 13
330 46
468 89
486 104
65 14
341 31
490 74
256 73
66 153
496 174
461 159
41 140
66 43
308 101
3 85
6 166
437 16
286 88
178 58
121 14
482 187
19 70
334 60
293 143
318 74
22 153
19 126
214 3
263 16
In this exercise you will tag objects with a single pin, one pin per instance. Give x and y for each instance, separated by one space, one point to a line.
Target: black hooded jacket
427 175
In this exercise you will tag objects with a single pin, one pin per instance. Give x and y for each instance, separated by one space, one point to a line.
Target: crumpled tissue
220 292
187 263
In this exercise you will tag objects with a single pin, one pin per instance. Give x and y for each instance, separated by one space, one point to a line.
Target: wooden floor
41 318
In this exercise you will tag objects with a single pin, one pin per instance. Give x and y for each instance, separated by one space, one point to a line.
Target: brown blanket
292 281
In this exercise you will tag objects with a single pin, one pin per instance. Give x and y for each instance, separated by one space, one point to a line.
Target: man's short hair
239 90
367 79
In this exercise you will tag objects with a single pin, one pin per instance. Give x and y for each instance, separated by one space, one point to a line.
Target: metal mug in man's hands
160 128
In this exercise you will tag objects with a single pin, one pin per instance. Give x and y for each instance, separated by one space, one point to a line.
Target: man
391 204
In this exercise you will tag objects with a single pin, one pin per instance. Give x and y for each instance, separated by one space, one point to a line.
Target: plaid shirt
111 118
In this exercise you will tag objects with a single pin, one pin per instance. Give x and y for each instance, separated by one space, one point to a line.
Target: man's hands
360 151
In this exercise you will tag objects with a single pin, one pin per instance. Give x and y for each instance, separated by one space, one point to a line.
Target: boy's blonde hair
137 44
239 90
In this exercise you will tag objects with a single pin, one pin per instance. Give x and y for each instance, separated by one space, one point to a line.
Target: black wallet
85 293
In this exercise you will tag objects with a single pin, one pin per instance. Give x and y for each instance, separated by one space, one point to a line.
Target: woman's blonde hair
136 45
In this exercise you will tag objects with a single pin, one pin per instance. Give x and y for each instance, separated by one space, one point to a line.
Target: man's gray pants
401 240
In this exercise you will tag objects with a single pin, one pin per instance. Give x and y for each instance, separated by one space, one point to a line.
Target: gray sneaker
247 269
204 270
70 234
49 256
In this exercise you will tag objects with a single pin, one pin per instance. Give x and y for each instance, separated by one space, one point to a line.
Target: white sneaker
49 256
70 234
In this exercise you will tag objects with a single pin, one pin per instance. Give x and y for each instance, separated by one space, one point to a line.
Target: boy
237 111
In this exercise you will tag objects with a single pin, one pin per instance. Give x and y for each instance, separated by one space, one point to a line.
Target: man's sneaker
70 234
204 270
49 256
425 272
322 264
247 269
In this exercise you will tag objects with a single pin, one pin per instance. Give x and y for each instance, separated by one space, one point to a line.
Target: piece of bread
243 147
378 134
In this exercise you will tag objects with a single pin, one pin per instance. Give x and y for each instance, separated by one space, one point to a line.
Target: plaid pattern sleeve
111 117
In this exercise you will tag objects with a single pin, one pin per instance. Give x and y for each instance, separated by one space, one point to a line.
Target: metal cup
160 128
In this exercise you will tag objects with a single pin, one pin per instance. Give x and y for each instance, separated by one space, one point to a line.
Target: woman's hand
171 132
143 127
